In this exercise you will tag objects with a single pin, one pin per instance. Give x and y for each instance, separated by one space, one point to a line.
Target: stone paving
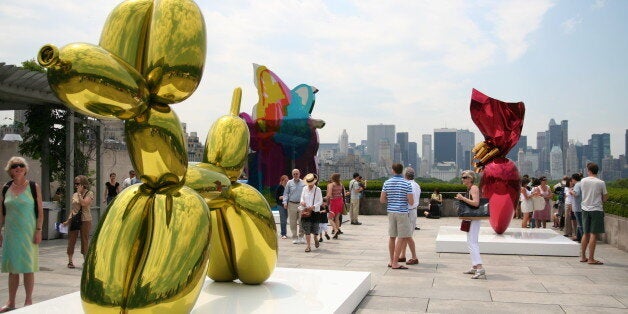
515 283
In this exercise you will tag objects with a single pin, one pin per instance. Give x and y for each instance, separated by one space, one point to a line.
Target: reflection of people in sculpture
473 199
22 218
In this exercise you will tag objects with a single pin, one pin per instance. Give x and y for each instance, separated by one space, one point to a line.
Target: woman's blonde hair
15 160
82 180
469 173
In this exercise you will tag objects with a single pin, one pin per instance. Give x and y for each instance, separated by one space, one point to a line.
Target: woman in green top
22 231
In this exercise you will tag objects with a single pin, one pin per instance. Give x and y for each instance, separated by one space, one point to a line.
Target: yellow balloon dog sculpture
244 241
151 250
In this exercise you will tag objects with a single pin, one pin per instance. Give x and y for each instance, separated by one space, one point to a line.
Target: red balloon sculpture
500 123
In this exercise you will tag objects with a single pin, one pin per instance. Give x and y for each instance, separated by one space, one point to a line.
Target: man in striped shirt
397 195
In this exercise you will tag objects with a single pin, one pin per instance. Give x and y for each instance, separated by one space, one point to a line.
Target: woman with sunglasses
81 206
473 199
22 231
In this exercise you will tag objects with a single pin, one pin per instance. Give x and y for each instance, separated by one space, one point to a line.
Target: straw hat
310 179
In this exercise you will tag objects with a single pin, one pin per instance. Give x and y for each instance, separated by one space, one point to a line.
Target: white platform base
517 241
288 290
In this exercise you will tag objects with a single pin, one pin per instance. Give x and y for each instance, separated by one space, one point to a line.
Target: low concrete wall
616 228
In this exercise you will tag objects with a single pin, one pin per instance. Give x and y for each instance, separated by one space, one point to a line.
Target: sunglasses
466 177
76 183
13 166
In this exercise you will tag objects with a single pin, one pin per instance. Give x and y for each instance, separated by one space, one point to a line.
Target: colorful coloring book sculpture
501 125
283 134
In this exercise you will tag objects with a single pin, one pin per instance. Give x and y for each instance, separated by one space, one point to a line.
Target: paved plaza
515 283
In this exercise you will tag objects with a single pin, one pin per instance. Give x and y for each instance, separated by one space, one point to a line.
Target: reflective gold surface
157 147
243 239
175 55
149 255
94 82
125 31
150 251
227 143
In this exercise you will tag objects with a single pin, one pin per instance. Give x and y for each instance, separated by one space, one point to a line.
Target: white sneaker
302 240
296 241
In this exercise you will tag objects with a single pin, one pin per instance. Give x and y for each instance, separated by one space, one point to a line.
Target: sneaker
327 236
295 241
284 237
302 240
358 223
320 240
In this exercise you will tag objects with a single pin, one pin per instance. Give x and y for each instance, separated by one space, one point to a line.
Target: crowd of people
303 208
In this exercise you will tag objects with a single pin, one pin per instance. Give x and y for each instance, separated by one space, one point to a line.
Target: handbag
538 203
76 221
465 225
467 211
307 213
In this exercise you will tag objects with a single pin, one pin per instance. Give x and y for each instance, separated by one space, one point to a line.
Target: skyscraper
445 145
376 133
344 143
564 125
413 156
426 154
599 147
465 140
572 160
556 163
521 144
402 141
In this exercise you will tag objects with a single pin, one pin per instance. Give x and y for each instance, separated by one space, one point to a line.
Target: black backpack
5 188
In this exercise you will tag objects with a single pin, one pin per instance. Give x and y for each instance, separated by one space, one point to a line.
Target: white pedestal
517 241
288 290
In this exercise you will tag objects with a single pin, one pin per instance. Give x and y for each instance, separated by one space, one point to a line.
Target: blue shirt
397 190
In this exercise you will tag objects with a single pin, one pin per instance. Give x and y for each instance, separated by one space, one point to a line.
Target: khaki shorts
592 221
399 225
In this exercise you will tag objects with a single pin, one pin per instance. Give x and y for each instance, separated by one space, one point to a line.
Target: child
322 227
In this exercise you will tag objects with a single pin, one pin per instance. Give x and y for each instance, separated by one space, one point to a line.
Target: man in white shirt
412 214
355 189
132 179
291 199
593 195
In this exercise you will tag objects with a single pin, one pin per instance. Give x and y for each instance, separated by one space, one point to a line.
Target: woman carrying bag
473 199
80 217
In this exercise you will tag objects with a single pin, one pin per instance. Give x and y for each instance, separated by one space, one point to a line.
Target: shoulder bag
467 211
307 213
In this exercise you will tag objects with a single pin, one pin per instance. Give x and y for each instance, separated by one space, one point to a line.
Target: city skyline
412 64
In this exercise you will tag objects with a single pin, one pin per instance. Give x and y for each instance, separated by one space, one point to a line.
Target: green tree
48 125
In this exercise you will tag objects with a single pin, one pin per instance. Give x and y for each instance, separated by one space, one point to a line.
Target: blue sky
408 63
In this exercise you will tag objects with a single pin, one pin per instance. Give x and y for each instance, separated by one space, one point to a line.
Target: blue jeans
579 222
283 219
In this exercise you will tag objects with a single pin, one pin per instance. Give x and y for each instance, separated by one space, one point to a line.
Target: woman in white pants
473 199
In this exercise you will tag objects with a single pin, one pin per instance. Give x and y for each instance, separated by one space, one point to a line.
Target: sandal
584 260
6 308
400 267
594 262
70 265
412 261
308 249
